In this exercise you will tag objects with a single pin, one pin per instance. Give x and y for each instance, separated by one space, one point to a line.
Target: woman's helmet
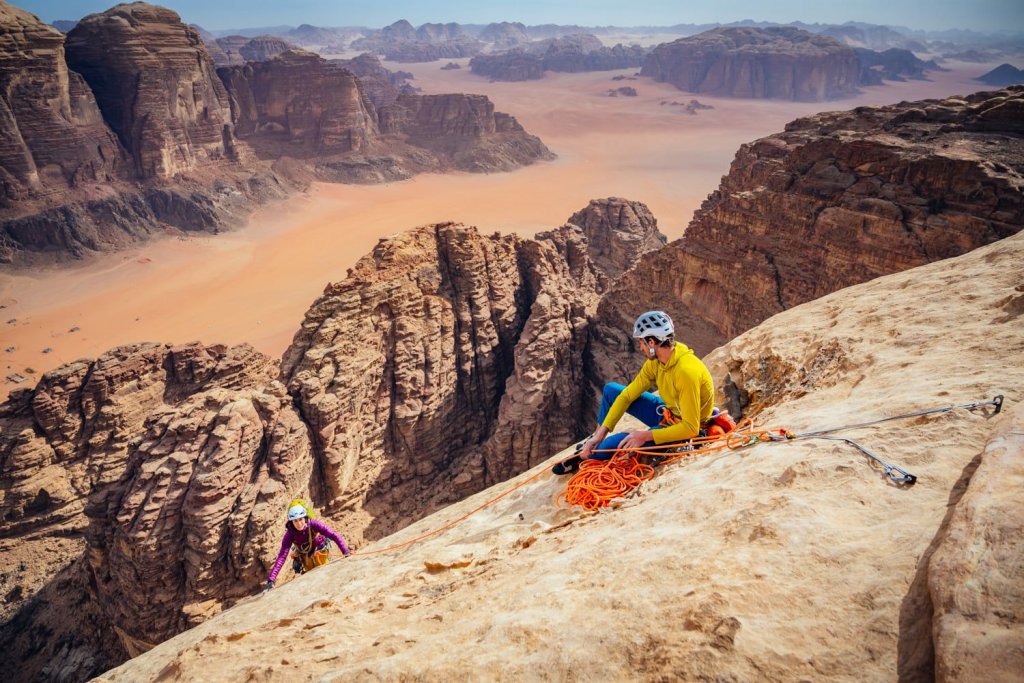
655 324
296 512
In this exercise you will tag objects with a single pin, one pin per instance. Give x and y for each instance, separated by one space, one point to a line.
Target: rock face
400 42
237 50
463 130
381 85
299 104
65 448
974 575
891 65
505 35
444 362
154 151
737 559
837 199
1004 74
52 135
572 54
778 63
156 86
302 101
435 361
618 232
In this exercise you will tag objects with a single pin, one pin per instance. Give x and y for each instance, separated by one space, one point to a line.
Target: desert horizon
254 284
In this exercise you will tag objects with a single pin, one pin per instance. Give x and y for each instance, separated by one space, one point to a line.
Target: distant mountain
1002 75
64 25
891 65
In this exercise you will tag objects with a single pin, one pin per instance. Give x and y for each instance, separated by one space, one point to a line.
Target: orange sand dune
255 284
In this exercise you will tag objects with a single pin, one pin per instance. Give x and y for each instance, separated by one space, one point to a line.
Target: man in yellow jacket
685 388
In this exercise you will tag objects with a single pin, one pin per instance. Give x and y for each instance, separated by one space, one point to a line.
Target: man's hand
636 439
589 446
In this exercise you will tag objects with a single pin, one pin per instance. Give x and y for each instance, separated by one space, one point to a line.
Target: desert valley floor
253 285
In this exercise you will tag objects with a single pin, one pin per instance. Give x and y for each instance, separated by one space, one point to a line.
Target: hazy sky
982 15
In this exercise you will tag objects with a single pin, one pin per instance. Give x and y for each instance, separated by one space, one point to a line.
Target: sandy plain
253 285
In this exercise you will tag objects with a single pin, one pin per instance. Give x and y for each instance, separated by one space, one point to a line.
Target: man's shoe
567 466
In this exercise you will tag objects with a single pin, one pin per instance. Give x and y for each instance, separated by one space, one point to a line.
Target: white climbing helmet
296 512
655 324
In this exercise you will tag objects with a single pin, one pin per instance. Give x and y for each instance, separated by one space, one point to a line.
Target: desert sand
254 285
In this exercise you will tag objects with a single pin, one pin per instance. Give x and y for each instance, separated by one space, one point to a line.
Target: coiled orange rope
599 482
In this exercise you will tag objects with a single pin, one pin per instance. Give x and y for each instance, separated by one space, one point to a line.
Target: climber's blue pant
647 409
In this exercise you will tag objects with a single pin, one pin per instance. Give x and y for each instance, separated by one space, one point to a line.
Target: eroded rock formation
156 86
573 53
237 50
52 135
443 357
618 232
779 63
303 101
155 151
444 362
67 451
400 42
834 200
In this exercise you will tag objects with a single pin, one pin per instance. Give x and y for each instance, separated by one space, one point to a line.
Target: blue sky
982 15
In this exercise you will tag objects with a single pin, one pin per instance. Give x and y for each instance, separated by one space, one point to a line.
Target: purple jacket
315 530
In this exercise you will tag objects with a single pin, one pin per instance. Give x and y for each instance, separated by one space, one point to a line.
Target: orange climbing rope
599 482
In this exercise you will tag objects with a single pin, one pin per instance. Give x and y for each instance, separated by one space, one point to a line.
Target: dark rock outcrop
381 85
463 130
400 42
52 135
505 35
299 104
1002 75
779 63
237 50
67 450
156 86
836 199
155 151
891 65
574 53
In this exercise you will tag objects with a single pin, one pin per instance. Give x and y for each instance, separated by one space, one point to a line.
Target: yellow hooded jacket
685 386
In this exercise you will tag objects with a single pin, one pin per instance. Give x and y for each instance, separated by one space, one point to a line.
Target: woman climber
311 538
686 399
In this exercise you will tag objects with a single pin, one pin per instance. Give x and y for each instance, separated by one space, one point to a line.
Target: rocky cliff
834 200
891 65
52 135
381 85
780 63
299 103
400 42
505 35
156 86
237 50
444 362
154 151
572 54
618 233
69 186
736 560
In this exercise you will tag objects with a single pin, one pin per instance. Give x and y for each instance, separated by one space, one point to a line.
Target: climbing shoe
567 466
